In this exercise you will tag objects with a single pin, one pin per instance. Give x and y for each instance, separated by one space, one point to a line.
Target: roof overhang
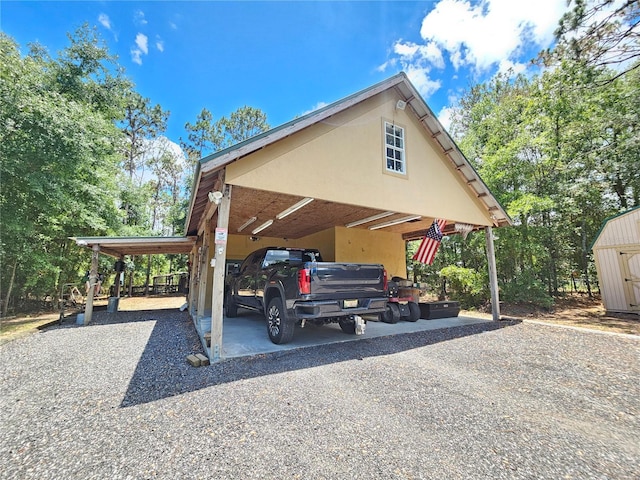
119 246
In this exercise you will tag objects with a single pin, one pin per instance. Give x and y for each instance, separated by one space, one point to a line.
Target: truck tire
347 325
279 327
391 314
414 312
230 307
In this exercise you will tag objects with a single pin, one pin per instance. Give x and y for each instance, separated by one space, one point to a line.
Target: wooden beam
493 276
217 292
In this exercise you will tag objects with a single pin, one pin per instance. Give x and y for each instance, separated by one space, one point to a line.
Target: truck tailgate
346 280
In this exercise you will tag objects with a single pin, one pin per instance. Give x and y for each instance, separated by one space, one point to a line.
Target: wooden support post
493 276
119 276
193 269
202 274
93 276
220 255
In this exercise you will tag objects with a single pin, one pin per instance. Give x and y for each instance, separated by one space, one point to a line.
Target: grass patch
17 327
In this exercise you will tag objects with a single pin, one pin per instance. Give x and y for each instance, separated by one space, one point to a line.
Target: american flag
430 243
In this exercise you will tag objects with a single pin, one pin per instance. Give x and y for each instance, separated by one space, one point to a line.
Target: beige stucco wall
239 246
337 244
341 160
364 246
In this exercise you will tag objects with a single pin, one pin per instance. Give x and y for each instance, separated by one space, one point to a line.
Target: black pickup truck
293 286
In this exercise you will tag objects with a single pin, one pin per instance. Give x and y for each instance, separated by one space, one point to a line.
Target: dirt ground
15 327
575 310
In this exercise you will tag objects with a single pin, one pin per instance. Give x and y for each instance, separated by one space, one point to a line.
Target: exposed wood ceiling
316 216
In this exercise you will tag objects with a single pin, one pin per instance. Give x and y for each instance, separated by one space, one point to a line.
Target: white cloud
104 20
159 44
138 18
429 53
483 34
136 56
141 48
445 117
506 66
419 76
317 106
142 41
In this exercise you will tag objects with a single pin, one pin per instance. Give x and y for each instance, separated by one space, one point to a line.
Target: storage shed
616 250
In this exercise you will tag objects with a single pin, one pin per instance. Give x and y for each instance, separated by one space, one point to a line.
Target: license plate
350 303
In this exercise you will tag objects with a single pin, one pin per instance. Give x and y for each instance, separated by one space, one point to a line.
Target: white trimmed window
394 148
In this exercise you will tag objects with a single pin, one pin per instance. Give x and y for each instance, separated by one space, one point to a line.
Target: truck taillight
304 281
385 280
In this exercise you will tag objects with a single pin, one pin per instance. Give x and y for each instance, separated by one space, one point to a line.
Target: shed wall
616 245
610 279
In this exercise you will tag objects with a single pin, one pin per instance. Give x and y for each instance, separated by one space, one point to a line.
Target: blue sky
288 58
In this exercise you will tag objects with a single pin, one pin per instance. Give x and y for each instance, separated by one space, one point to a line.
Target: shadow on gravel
163 371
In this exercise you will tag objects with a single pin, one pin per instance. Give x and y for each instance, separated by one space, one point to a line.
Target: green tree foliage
142 123
203 136
244 123
560 151
59 153
599 34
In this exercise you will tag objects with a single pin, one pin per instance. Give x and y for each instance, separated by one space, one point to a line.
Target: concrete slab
246 335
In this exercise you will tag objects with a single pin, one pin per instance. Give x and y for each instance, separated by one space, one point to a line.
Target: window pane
399 143
390 163
389 128
398 155
398 132
390 152
389 140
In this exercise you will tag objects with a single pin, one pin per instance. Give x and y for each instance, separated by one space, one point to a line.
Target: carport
359 178
119 247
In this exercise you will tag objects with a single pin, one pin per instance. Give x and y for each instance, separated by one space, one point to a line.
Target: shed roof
607 220
120 246
207 178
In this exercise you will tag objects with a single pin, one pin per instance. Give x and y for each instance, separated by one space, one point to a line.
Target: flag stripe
430 243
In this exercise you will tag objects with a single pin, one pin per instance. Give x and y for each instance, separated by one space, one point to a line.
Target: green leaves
58 158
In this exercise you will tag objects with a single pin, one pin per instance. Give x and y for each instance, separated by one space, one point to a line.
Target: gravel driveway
118 400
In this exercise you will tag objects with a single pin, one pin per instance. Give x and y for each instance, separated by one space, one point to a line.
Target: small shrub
466 285
525 288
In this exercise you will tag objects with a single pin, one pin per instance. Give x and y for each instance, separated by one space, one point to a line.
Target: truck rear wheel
391 314
414 312
279 328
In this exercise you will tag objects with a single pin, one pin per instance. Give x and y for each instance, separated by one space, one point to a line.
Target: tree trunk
5 307
585 259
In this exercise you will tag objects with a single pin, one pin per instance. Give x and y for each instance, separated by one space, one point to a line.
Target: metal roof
120 246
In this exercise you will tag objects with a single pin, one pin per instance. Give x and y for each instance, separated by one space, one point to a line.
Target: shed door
631 272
